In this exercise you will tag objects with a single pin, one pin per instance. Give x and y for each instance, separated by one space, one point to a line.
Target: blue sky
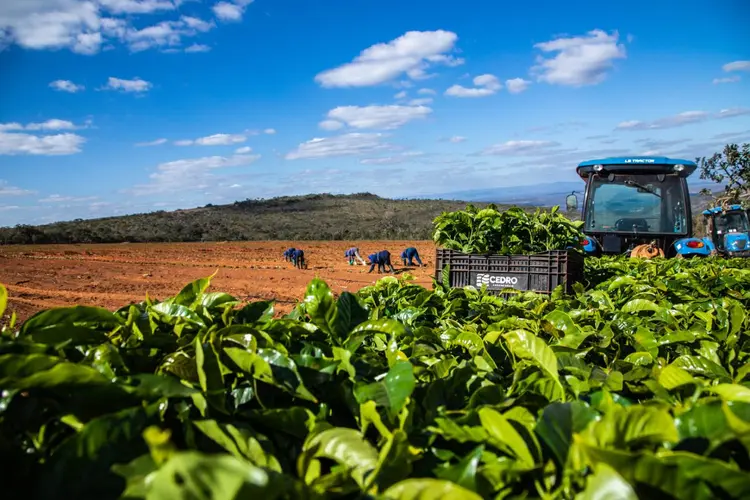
120 106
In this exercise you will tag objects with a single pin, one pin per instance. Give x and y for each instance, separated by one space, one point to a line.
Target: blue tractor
638 202
728 230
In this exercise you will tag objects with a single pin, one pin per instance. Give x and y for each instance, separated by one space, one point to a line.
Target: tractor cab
634 201
728 229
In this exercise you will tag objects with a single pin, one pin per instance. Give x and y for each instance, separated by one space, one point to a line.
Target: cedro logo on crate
498 281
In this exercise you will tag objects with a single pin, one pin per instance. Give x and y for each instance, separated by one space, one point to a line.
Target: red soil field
43 276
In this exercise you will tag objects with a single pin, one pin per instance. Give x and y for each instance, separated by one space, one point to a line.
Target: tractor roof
638 164
718 210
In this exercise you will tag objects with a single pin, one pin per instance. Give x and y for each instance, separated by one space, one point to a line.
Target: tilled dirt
43 276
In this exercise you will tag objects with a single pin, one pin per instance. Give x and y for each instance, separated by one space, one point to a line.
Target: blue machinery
637 200
728 229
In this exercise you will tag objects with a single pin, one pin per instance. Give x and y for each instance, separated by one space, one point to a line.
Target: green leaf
192 293
3 299
557 425
464 473
255 312
526 345
345 446
632 427
392 392
428 489
607 484
93 318
505 437
240 442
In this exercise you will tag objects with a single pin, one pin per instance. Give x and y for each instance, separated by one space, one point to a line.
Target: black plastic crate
541 272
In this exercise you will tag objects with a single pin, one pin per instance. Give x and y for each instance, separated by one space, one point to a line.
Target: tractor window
636 203
732 222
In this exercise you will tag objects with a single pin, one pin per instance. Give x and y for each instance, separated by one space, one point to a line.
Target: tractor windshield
636 203
732 222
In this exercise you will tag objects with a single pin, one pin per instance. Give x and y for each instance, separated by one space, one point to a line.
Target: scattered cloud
729 79
410 54
66 86
56 198
269 131
8 190
378 117
457 139
353 144
53 124
49 145
426 92
737 66
731 135
520 148
401 95
517 85
330 125
197 47
578 61
88 26
156 142
136 85
190 174
232 10
213 140
485 85
680 119
392 160
244 150
421 102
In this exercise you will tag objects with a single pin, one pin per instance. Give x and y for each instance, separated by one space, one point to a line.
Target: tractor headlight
598 168
679 168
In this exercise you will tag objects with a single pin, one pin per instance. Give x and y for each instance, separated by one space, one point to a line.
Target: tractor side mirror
571 201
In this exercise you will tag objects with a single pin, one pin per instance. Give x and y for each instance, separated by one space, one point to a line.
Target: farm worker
353 253
288 254
409 255
382 259
298 258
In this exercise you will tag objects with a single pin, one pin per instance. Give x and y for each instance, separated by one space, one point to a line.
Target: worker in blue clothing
409 255
353 253
298 259
288 253
382 259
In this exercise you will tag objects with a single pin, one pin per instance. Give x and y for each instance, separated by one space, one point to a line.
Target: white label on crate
498 281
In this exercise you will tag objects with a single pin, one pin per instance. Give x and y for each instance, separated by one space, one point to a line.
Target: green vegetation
510 232
312 217
636 384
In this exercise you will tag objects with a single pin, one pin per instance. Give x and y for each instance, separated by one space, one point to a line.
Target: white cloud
426 92
135 85
66 86
53 124
392 160
401 95
190 174
517 85
231 11
421 101
411 54
353 144
680 119
244 150
485 85
269 131
330 125
157 142
197 47
220 140
737 66
56 198
22 144
85 26
521 148
457 139
378 117
730 79
8 190
579 61
184 142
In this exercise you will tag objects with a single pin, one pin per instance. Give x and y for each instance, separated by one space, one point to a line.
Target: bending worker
288 253
409 255
298 259
382 259
353 253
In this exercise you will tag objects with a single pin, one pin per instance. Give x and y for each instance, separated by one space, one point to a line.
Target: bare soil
43 276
